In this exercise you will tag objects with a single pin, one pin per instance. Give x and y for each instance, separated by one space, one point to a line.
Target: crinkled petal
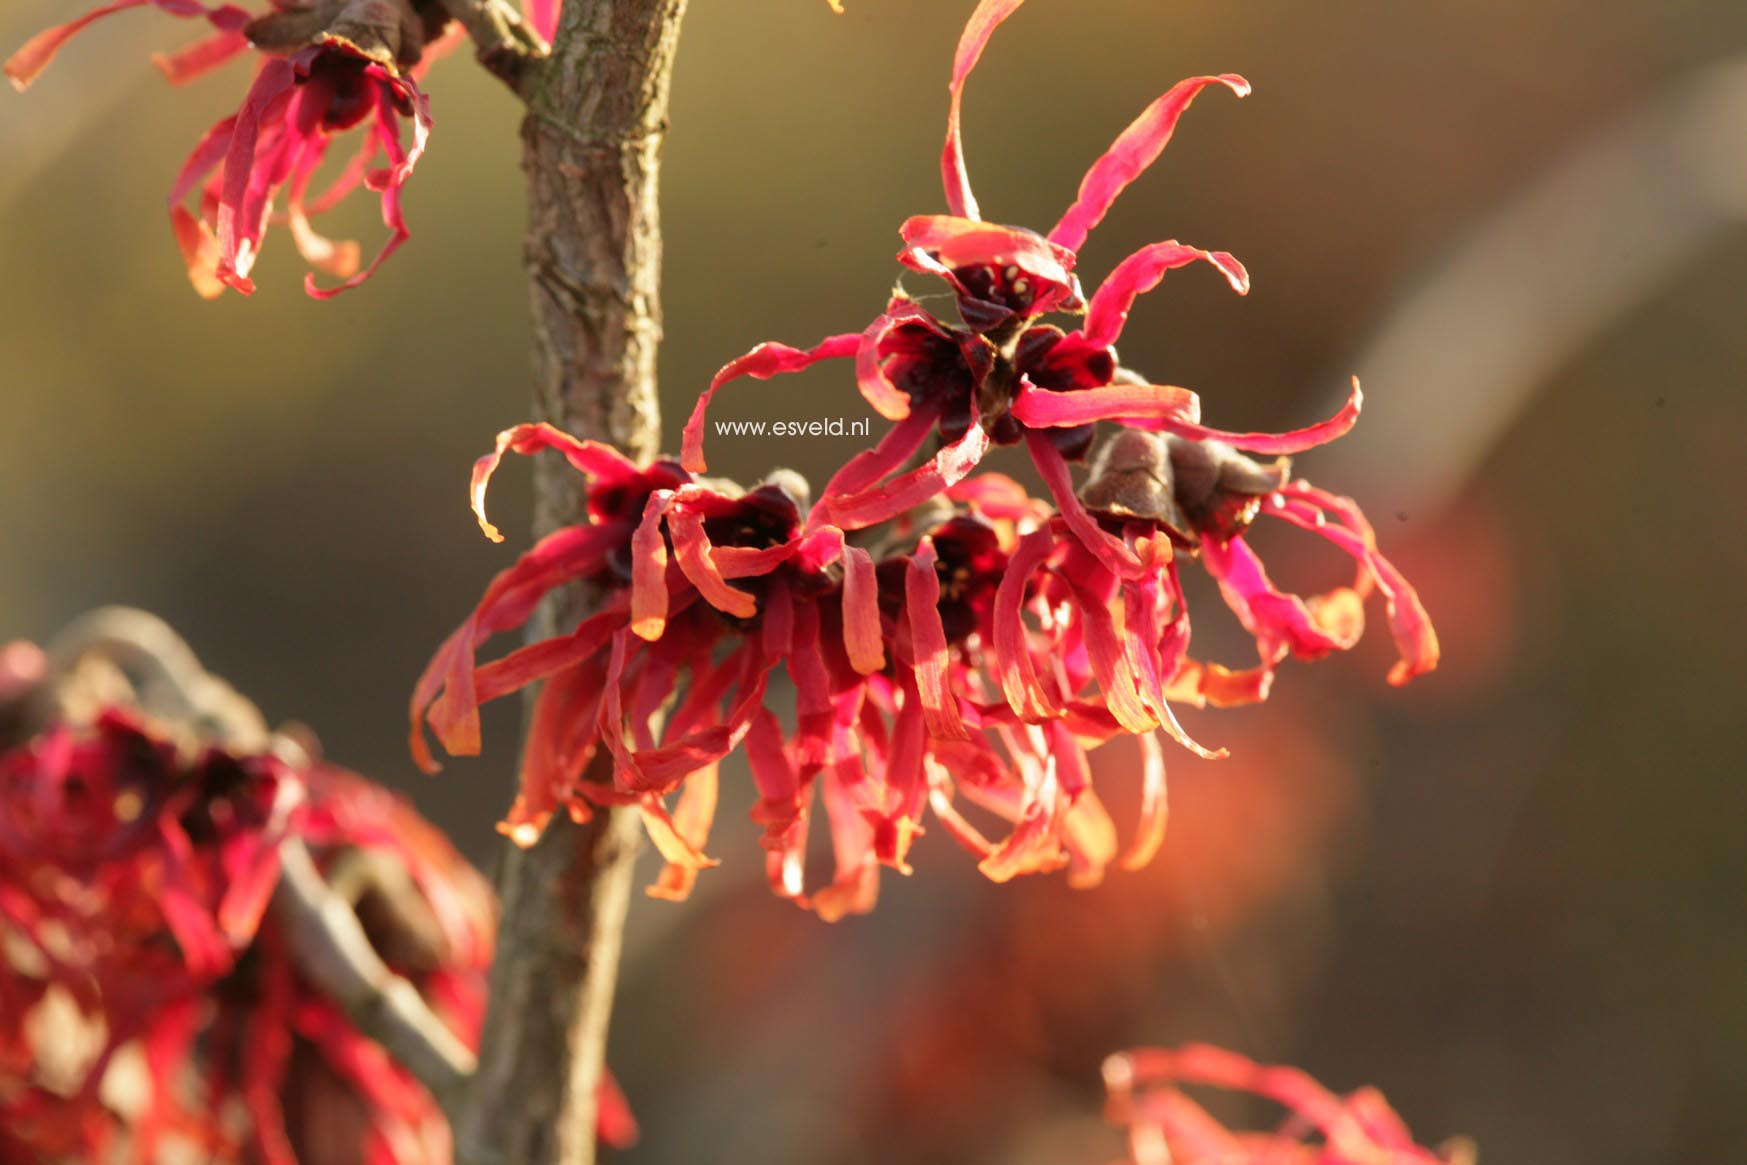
527 665
243 196
691 549
1361 1127
882 502
553 755
1154 805
887 399
591 458
31 58
1138 274
1104 649
870 465
863 640
1411 627
1134 149
938 243
1210 684
542 17
1296 441
649 569
988 16
659 769
201 57
999 498
855 883
778 784
388 182
35 55
1027 697
1280 622
1099 542
763 362
339 259
928 636
812 552
1042 408
689 825
1087 829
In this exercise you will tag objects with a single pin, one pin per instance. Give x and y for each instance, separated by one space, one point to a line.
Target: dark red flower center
339 91
765 517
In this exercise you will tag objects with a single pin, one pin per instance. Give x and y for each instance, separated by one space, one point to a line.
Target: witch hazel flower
701 585
705 594
1167 1127
1004 374
131 879
326 67
137 868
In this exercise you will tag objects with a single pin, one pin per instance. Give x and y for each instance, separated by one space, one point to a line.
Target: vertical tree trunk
597 114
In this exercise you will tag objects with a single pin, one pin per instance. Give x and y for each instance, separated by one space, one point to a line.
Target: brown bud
1218 488
388 32
1132 477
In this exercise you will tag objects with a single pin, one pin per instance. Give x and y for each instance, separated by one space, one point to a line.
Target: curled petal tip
485 524
1403 673
1236 83
1235 273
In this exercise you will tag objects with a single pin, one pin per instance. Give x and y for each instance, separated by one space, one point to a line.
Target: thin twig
331 950
598 109
508 48
167 680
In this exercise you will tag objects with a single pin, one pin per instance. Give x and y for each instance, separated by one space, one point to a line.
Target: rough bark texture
597 113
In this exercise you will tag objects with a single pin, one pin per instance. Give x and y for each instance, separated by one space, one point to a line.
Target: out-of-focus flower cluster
951 642
151 1006
323 68
1166 1127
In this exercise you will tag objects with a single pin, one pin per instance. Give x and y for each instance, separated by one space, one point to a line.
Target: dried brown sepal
1132 477
1193 489
1218 488
391 33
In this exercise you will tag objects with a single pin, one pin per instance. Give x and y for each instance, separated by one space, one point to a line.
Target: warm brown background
1511 896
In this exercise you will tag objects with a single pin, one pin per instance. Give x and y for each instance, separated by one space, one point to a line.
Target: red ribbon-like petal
1134 149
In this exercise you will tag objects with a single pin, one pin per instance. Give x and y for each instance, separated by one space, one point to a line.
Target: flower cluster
945 635
1166 1127
706 593
149 997
325 67
1005 375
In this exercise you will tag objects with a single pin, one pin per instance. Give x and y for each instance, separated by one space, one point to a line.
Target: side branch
331 950
509 49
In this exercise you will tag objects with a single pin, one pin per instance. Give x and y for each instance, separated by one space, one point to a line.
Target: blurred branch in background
1463 351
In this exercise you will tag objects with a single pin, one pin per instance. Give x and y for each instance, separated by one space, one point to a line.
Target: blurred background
1511 895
